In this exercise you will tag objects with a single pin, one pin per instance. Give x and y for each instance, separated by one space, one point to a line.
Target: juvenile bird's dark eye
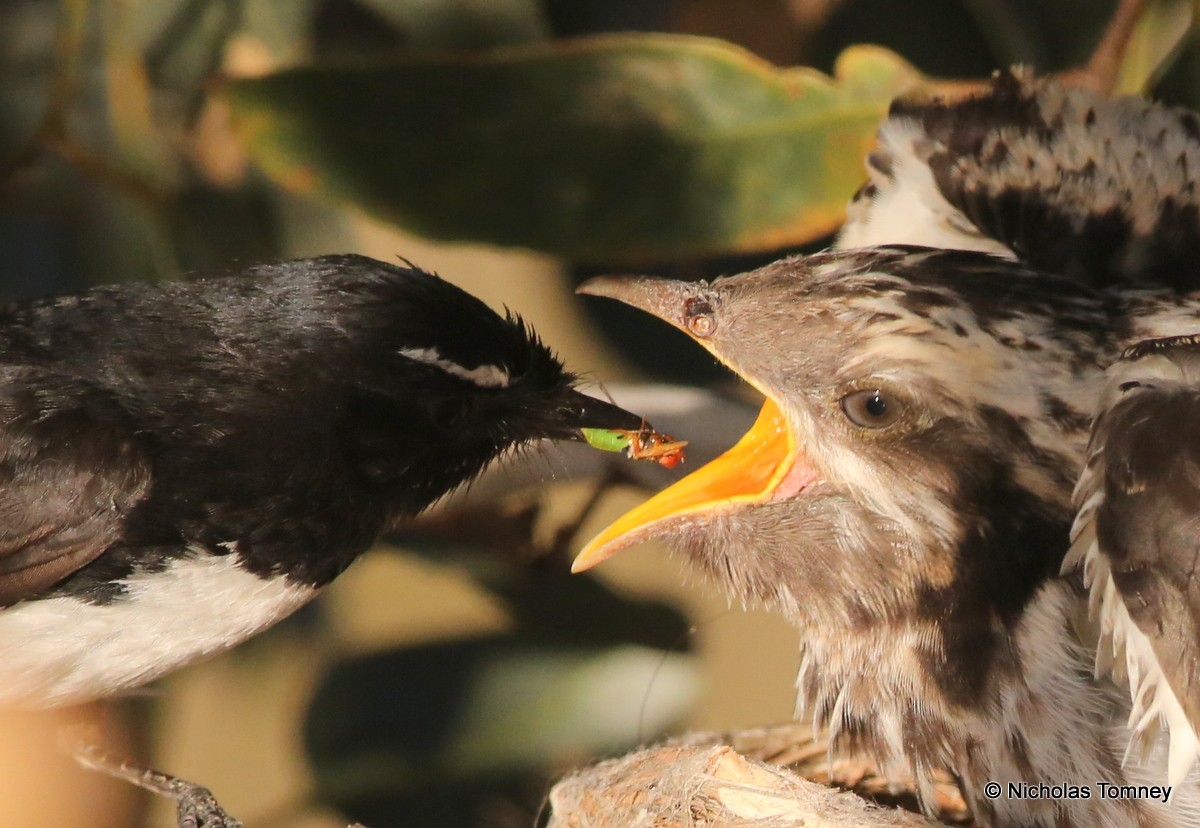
871 409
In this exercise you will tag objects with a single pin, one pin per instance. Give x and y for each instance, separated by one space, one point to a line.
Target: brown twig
98 167
52 135
1102 69
63 87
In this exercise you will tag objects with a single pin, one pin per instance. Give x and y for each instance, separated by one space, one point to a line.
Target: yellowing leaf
1157 40
616 147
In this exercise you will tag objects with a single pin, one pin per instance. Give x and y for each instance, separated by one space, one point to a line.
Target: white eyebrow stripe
485 376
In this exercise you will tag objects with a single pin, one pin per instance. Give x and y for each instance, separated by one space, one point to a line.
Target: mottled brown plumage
1102 190
906 498
919 556
1137 537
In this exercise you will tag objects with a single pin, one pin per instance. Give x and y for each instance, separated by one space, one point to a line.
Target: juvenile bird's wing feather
1137 538
71 469
1102 190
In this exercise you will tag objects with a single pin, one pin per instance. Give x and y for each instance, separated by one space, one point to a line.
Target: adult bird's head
925 420
442 384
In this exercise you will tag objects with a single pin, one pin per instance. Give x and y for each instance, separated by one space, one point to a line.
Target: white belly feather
64 651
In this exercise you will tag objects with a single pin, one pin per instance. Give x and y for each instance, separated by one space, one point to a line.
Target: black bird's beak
577 411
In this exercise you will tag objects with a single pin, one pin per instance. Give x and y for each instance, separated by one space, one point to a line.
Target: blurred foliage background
515 146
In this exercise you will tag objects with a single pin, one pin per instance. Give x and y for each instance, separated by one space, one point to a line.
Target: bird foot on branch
196 807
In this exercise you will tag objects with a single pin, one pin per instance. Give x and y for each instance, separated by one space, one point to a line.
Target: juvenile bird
908 493
905 499
184 464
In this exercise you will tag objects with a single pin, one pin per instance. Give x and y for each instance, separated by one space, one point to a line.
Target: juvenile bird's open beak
752 471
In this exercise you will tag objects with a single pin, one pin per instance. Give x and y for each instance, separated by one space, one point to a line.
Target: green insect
606 440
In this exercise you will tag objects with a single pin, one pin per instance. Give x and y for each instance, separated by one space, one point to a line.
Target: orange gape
750 471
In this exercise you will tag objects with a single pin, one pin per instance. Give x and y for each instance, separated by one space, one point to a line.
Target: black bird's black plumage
283 418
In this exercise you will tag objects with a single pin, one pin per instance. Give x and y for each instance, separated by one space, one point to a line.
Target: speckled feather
922 567
1102 190
1136 538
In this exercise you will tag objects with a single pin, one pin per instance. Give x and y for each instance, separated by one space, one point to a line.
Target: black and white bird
908 493
184 464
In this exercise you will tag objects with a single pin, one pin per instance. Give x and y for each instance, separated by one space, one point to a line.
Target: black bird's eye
449 413
871 409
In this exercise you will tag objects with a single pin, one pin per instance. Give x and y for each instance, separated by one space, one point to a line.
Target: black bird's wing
1137 538
71 469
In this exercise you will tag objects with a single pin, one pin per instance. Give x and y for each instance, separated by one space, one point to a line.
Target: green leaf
464 24
1158 39
625 147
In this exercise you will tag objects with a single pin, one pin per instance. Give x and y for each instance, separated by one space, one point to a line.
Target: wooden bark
722 780
686 787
